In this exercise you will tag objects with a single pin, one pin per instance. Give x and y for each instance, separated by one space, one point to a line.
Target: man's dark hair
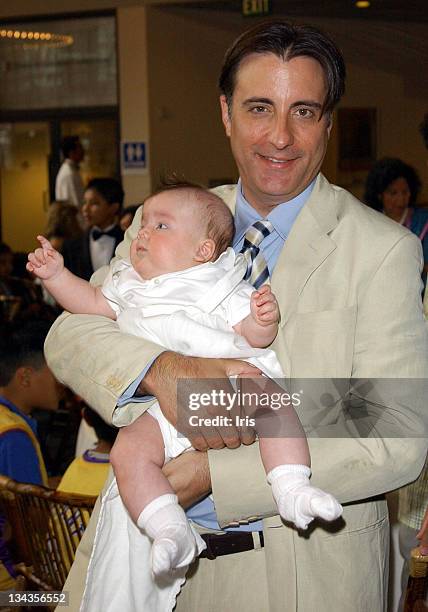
68 144
109 188
423 129
286 41
384 172
103 430
21 346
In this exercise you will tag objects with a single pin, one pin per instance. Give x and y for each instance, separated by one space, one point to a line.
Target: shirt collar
106 229
282 216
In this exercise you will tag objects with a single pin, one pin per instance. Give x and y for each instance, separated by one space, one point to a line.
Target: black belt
228 543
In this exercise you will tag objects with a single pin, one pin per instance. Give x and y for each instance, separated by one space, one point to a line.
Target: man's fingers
236 367
247 435
198 441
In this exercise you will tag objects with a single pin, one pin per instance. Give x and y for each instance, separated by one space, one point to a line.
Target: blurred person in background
102 204
6 260
19 295
392 187
87 474
26 383
69 185
62 223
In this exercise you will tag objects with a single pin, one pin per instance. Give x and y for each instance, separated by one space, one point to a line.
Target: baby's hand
46 262
264 306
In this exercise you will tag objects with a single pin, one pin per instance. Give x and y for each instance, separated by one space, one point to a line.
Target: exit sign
255 7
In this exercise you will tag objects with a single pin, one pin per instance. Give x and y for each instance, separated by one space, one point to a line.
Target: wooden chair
47 527
417 583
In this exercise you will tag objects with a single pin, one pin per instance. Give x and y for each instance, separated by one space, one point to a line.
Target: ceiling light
362 4
33 39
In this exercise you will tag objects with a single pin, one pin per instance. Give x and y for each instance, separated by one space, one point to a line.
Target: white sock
174 543
297 500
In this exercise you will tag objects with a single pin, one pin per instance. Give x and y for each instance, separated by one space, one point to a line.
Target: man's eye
305 112
161 226
257 110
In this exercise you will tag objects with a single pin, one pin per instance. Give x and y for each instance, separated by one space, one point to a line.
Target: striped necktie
257 270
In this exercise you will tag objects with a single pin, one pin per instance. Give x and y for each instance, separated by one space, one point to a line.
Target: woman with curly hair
392 187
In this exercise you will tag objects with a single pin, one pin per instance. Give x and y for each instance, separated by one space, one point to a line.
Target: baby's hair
220 226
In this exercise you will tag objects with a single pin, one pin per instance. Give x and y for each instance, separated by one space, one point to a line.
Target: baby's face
169 237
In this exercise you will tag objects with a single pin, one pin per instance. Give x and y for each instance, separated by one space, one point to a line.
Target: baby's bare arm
71 292
260 327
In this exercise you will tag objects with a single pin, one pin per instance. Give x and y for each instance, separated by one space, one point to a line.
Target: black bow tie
97 233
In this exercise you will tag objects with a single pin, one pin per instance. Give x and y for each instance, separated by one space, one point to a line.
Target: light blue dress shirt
282 218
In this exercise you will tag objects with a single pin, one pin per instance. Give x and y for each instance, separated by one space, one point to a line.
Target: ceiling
384 10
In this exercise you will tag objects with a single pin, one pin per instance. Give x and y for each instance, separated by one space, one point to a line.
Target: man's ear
205 250
225 115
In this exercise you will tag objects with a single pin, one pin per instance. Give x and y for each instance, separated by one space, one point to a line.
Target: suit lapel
307 246
305 249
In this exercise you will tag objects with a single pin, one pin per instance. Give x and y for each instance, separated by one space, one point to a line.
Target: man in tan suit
348 284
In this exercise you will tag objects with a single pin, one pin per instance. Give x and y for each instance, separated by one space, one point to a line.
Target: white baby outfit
190 312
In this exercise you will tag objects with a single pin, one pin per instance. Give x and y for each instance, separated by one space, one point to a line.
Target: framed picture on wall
357 138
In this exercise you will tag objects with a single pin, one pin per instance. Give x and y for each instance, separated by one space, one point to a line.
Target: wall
133 92
169 60
185 53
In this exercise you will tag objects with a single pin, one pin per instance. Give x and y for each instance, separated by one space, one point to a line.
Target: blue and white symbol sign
134 158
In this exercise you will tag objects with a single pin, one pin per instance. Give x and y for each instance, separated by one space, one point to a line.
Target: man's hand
189 476
172 378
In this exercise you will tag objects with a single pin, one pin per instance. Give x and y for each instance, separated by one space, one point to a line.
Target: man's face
277 134
97 211
78 153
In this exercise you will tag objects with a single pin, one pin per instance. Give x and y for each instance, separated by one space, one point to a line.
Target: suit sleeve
391 342
93 357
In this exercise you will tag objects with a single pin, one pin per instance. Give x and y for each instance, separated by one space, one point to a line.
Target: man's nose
281 133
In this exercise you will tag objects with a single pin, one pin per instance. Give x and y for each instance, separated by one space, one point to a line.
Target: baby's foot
173 548
175 544
297 500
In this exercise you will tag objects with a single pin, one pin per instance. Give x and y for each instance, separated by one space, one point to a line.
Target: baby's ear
205 250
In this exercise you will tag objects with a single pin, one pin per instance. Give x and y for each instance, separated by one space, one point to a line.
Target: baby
183 289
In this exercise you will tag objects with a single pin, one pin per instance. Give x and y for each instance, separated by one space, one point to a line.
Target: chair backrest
47 527
417 583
